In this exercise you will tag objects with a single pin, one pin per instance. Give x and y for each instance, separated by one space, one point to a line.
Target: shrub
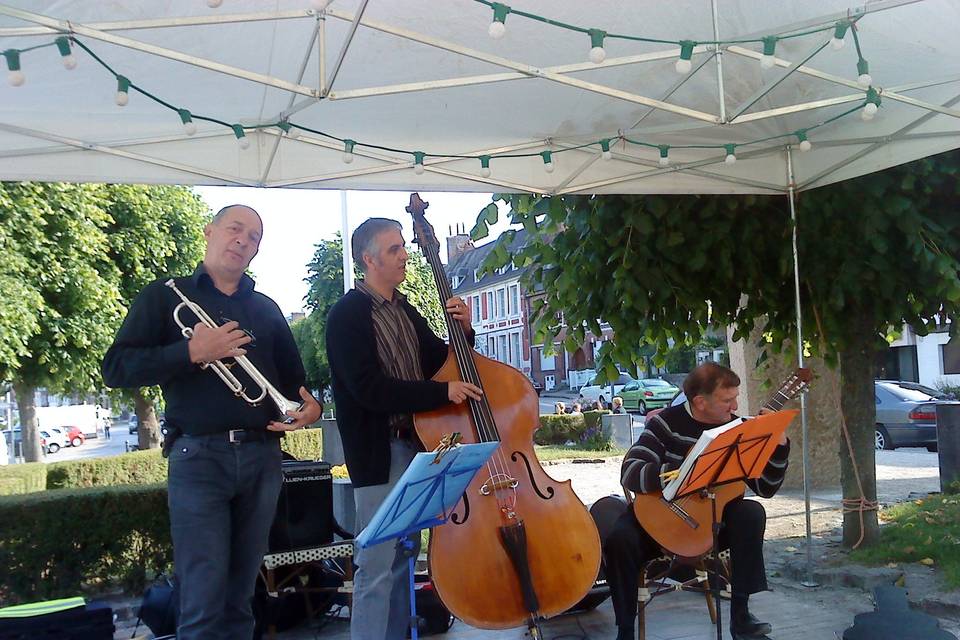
591 418
135 467
305 444
23 478
60 543
559 429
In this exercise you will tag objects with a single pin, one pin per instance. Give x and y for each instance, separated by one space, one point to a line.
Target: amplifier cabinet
305 508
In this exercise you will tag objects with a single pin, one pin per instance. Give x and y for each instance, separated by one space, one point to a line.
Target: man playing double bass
711 391
382 354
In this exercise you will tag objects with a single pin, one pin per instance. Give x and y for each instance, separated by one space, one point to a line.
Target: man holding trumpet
225 423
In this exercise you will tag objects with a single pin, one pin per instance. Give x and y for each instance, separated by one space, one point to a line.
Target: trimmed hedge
305 444
23 478
592 418
559 429
60 543
135 467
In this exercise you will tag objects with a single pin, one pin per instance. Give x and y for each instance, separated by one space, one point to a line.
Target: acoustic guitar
682 526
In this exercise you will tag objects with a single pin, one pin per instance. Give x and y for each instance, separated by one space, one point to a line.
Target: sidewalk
796 612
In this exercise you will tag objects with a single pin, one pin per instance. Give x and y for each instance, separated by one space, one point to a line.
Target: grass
925 531
562 452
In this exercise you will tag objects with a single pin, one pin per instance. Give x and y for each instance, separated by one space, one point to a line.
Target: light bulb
16 78
66 55
122 98
485 172
418 168
805 145
548 167
497 29
189 128
766 62
69 61
839 31
605 154
683 66
864 80
730 159
869 110
244 142
664 161
347 157
597 55
293 133
837 43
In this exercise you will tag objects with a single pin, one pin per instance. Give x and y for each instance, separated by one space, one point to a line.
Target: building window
475 309
457 281
950 354
476 275
547 363
489 313
502 354
515 349
501 303
491 347
513 300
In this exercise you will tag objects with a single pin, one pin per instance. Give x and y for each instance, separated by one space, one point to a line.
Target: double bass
519 546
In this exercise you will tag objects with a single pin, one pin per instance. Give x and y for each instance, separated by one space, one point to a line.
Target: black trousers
629 547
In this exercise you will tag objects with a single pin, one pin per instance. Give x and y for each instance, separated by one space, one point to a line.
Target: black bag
160 609
93 621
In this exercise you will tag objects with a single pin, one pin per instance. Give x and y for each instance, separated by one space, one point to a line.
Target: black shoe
747 626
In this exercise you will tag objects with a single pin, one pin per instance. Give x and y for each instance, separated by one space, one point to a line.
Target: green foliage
591 419
71 294
325 277
306 444
559 429
23 478
919 530
60 543
863 245
136 467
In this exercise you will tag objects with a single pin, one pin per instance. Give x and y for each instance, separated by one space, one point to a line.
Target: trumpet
282 403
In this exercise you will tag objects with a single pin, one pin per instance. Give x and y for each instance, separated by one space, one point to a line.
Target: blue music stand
423 497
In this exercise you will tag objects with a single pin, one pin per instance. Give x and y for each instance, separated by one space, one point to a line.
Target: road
120 438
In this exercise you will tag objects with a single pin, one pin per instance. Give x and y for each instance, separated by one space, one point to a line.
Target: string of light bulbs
868 108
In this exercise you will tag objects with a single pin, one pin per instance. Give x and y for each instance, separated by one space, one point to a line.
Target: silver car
906 415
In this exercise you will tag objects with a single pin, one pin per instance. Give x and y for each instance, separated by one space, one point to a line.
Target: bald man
224 471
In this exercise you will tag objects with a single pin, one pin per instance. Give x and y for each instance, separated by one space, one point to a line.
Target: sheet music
708 436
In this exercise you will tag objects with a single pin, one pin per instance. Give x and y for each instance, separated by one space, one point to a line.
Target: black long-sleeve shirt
664 443
150 350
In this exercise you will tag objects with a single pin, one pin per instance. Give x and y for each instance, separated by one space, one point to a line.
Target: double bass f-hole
533 481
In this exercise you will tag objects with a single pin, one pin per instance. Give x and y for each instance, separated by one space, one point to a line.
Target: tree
875 252
56 249
325 277
155 232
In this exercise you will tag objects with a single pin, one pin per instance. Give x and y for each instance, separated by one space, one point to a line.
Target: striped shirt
665 441
398 348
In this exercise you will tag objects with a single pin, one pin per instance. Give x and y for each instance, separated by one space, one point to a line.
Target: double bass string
479 409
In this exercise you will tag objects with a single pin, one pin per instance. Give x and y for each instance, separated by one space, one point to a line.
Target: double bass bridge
499 482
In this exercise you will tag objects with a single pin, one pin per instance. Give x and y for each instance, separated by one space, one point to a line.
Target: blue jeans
381 593
222 500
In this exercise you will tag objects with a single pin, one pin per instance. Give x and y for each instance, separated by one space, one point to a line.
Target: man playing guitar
711 391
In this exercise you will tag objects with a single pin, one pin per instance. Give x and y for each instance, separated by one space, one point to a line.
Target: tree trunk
148 429
858 407
29 429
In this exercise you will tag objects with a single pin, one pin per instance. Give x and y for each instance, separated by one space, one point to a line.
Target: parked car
134 424
52 441
74 435
906 416
648 393
590 392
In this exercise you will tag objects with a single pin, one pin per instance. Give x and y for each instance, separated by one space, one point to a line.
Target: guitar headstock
423 233
796 383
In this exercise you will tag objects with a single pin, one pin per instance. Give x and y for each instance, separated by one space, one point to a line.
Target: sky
295 220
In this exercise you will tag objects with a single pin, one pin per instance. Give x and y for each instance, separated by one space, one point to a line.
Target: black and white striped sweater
664 443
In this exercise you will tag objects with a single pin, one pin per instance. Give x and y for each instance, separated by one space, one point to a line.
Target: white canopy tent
404 78
428 77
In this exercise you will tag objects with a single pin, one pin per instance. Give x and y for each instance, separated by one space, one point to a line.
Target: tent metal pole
716 36
345 243
791 194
